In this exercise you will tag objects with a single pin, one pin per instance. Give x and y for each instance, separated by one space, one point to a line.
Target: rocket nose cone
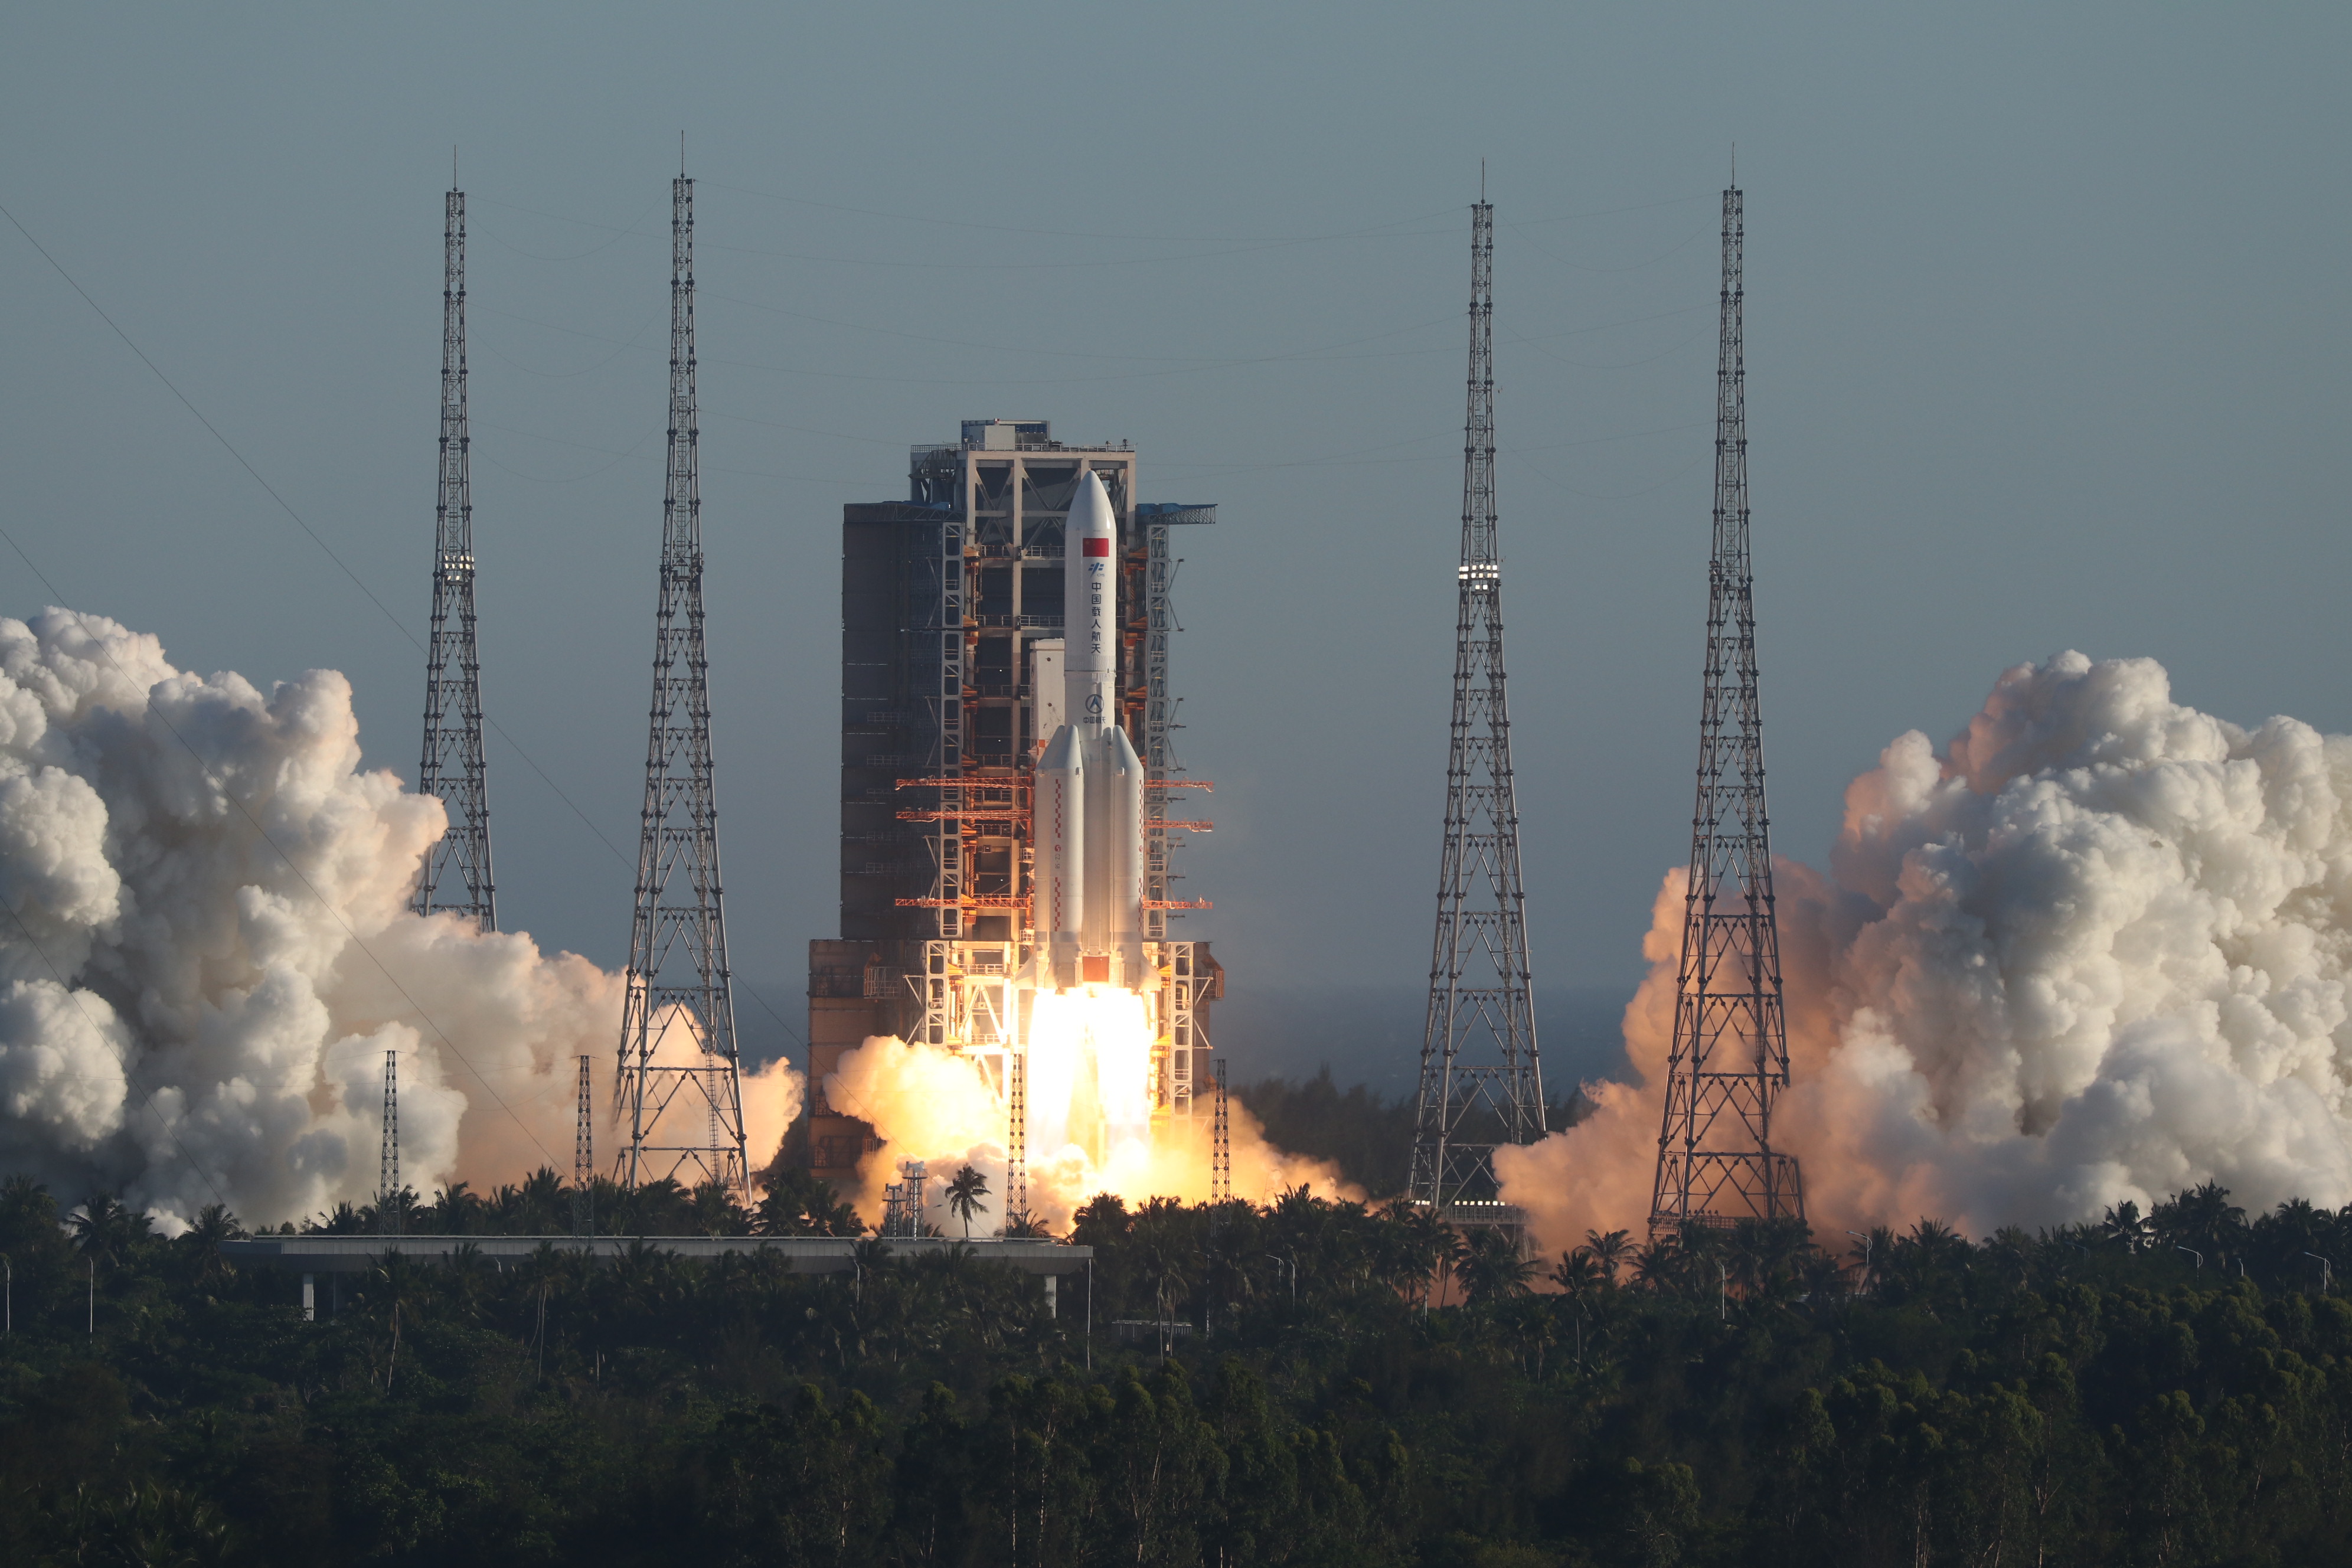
1090 515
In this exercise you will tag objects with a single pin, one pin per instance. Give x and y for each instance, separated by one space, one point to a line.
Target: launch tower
677 1088
456 871
1730 1058
954 621
1481 1085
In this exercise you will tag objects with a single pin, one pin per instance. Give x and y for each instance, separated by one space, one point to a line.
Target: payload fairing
1088 828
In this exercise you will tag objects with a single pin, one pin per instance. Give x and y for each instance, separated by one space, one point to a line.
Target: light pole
2192 1252
2326 1271
1293 1262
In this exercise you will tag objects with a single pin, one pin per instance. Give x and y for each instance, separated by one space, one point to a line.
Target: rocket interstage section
1090 824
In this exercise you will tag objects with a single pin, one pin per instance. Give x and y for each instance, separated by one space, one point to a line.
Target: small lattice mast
1016 1132
1480 1086
387 1167
584 1157
456 872
677 1088
1221 1144
1730 1058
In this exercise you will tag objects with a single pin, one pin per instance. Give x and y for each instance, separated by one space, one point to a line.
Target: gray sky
2046 323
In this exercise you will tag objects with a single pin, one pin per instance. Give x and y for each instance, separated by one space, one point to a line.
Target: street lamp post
2192 1252
2326 1272
1293 1262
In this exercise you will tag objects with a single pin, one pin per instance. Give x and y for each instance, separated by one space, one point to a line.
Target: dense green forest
1306 1383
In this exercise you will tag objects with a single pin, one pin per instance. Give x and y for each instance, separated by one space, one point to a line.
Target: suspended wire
1204 360
283 506
1318 355
586 820
1546 251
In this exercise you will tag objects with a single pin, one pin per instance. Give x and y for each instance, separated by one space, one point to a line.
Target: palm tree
2123 1223
213 1224
105 1230
1489 1266
1579 1273
543 1206
964 1191
458 1210
713 1211
1162 1244
1610 1249
1658 1265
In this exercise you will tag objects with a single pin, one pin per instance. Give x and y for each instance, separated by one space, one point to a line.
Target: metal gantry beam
677 1088
1716 1164
456 872
1481 1083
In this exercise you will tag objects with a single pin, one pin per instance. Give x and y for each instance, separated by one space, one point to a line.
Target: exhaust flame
1090 1087
1091 1123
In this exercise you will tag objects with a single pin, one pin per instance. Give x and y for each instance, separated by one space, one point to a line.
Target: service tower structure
957 673
456 875
677 1093
1716 1164
1481 1083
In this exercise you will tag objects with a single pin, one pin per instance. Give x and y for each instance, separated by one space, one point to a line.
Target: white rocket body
1088 830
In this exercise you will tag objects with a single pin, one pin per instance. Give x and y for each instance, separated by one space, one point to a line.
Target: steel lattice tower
456 872
584 1157
1221 1144
387 1167
1730 1058
1481 1085
684 1108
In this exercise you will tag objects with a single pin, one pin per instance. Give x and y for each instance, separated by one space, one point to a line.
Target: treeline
1302 1382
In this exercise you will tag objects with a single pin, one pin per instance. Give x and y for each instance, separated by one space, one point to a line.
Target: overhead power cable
586 820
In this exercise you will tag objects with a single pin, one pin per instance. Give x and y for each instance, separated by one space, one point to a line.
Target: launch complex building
958 647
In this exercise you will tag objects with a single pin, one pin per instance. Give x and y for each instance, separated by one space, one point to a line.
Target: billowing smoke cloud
2094 950
154 926
932 1104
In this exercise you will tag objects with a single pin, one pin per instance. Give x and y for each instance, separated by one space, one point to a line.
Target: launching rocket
1087 832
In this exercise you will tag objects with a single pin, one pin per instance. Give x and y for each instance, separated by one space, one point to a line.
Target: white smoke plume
155 928
2096 949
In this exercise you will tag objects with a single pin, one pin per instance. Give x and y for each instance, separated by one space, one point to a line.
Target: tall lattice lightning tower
1730 1058
677 1088
456 872
1480 1086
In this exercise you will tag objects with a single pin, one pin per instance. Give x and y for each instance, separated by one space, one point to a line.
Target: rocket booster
1087 831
